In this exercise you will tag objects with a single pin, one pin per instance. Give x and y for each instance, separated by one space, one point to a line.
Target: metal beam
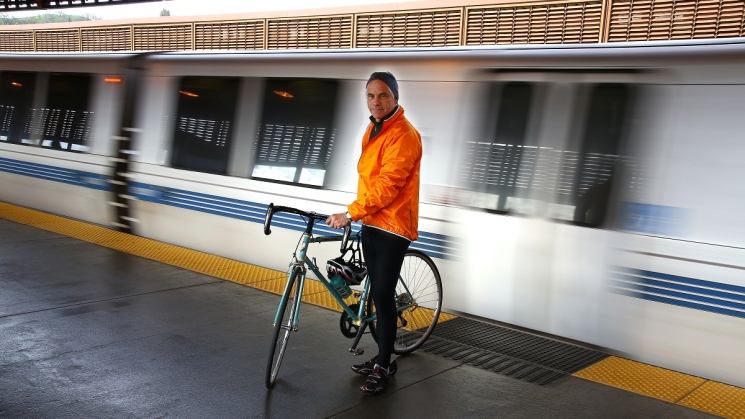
25 5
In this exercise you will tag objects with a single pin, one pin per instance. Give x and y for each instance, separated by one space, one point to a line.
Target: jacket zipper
363 151
381 131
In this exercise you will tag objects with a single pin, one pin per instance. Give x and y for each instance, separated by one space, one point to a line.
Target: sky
206 7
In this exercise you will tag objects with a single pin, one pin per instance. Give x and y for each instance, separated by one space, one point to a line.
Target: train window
296 133
16 101
600 152
491 167
65 122
206 107
569 180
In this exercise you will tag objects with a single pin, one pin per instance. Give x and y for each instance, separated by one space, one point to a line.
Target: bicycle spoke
419 291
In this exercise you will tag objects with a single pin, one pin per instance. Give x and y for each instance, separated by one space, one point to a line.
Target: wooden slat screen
230 35
533 22
321 32
554 23
17 41
177 37
652 20
107 39
58 41
426 28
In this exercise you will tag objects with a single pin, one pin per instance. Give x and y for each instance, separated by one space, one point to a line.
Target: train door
539 180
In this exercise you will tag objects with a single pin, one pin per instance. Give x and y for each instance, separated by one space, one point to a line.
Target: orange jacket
388 186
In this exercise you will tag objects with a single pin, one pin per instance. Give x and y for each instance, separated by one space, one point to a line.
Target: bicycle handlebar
271 210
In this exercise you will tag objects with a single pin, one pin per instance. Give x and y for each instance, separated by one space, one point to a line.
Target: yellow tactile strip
217 266
671 386
641 378
718 399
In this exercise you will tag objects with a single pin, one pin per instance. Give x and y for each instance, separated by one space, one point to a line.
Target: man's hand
339 220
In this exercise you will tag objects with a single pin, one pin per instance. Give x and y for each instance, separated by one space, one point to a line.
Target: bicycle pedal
357 352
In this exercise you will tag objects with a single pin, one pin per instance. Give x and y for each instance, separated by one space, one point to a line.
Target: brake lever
345 237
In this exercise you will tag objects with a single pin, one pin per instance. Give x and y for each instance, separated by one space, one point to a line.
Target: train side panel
516 142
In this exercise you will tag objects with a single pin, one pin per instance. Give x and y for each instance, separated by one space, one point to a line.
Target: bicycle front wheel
418 299
282 329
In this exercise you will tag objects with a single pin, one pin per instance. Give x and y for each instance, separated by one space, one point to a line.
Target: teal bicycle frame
301 260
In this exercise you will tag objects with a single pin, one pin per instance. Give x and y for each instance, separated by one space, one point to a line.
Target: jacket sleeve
398 160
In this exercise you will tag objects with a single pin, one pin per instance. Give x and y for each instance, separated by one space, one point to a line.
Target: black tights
384 254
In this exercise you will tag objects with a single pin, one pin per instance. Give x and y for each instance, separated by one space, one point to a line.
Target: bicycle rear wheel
282 329
419 300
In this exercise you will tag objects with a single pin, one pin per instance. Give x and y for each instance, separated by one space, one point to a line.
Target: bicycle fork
297 266
298 286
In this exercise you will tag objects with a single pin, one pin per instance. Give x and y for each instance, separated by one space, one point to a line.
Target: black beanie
386 78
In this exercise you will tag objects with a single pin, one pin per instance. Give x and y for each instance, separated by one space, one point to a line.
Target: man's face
380 99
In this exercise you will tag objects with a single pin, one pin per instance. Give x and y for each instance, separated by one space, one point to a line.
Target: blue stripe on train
55 174
435 245
692 293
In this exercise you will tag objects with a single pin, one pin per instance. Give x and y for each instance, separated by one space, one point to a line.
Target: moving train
592 193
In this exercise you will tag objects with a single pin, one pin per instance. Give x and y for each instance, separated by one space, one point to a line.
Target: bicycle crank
346 324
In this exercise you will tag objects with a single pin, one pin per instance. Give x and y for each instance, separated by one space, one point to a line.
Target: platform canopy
21 5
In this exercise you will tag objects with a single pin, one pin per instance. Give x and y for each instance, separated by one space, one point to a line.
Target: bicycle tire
282 330
422 278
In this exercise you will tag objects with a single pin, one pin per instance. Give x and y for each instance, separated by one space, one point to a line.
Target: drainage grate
509 352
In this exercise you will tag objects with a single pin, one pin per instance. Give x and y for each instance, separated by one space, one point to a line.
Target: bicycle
418 295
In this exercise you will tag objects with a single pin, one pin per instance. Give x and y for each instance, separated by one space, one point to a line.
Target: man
388 205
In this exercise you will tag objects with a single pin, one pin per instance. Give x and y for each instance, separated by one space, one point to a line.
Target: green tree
165 12
8 19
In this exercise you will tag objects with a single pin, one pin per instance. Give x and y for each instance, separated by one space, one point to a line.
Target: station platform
97 323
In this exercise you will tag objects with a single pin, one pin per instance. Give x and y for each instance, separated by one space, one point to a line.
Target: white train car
586 192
